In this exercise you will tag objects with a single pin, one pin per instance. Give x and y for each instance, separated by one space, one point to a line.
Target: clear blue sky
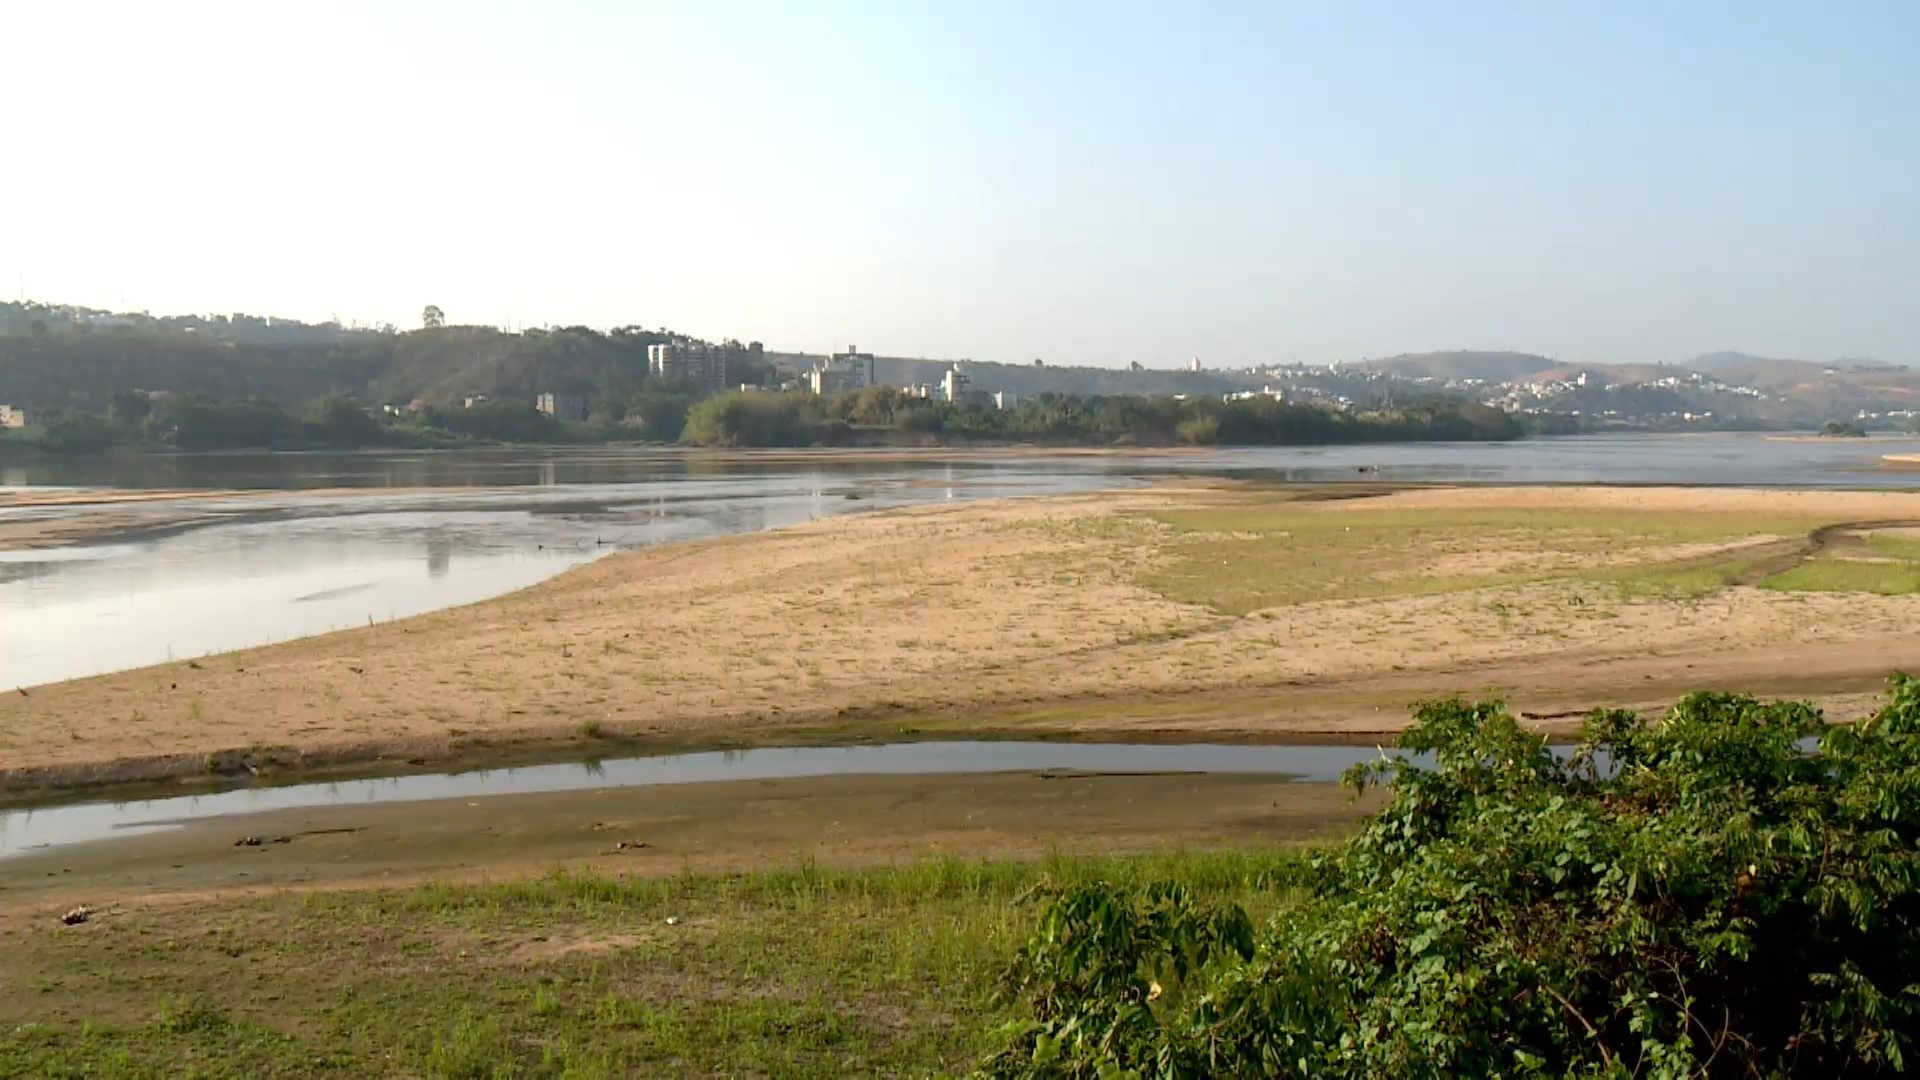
1089 183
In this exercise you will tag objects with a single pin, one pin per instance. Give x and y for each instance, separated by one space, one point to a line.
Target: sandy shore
1205 610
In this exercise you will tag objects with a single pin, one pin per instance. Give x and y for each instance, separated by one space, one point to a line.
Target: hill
1462 364
1759 371
79 365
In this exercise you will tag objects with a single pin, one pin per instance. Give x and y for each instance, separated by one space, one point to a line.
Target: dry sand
1025 615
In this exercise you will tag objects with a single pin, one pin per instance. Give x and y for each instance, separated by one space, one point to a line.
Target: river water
27 830
300 556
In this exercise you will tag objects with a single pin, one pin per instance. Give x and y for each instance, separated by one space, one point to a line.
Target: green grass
1238 558
1895 545
796 972
1667 581
1849 575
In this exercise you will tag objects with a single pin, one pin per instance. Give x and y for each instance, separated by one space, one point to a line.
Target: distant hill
1462 364
1775 371
1609 372
54 357
1760 371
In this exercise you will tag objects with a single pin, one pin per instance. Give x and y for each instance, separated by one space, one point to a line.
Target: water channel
39 829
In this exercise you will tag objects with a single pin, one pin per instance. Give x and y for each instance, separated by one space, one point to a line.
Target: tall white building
842 372
689 360
953 385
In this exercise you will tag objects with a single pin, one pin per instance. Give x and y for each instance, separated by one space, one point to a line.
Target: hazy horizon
1088 184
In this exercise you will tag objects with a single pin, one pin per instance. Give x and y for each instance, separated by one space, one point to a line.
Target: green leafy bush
1714 893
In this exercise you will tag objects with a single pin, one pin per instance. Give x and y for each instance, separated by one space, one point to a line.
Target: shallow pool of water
28 830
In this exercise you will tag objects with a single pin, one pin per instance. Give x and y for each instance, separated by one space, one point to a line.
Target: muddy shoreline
166 775
723 826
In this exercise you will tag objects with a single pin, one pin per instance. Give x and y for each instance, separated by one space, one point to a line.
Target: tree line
199 423
879 414
659 412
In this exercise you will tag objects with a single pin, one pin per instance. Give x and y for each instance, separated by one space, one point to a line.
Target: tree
129 408
77 433
340 421
199 424
432 318
1710 894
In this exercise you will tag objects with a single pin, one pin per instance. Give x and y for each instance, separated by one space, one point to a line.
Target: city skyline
1085 184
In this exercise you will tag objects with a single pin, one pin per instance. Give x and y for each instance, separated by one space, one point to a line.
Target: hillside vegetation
84 369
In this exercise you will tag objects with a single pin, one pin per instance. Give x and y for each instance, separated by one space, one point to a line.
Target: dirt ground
1202 609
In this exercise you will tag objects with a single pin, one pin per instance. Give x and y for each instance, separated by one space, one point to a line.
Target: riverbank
799 969
1216 611
739 916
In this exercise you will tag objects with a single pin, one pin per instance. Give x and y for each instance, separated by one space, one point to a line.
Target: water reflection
276 567
439 551
31 830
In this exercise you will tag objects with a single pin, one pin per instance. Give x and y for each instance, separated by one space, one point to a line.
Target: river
319 542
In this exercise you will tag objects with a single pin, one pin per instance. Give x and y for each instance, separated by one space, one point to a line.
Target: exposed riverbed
266 557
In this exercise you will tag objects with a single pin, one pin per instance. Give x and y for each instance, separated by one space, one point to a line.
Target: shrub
1198 430
1713 893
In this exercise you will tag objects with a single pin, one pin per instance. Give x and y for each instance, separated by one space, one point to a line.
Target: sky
1088 183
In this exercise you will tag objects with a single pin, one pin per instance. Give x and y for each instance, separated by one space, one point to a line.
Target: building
1277 393
694 361
953 385
840 373
12 416
1005 400
561 406
860 363
1194 365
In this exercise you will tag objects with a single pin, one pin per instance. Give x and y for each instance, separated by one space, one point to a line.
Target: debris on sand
256 841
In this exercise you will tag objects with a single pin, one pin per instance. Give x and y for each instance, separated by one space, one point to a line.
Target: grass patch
1895 545
1237 559
1691 581
801 971
1849 575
